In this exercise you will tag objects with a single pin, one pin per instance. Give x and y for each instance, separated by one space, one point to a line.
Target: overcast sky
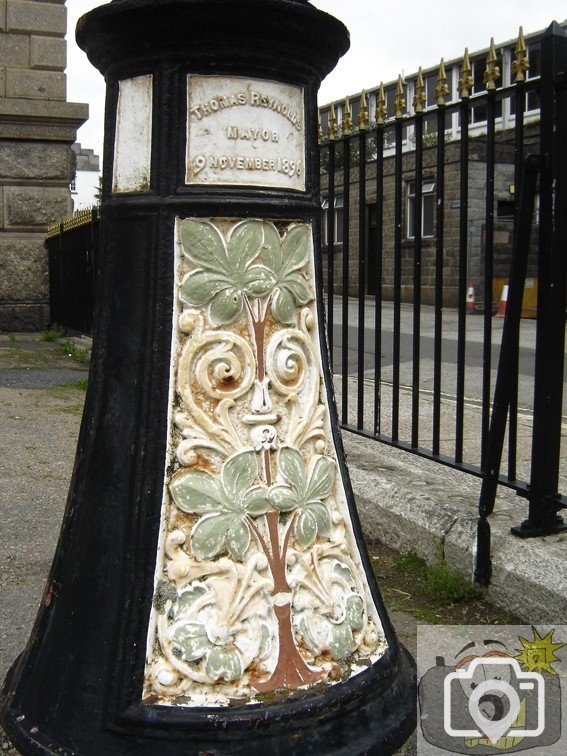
386 39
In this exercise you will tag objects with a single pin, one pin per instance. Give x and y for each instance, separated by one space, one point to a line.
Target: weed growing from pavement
80 385
437 581
410 586
77 353
51 335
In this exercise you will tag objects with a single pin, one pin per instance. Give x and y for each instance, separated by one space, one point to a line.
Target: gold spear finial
521 63
492 73
363 118
319 126
466 81
346 125
441 90
381 112
420 97
332 128
399 102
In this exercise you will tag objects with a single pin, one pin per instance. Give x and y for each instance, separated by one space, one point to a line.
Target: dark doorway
372 247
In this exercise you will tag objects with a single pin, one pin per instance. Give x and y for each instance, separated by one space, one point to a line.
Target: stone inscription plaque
244 131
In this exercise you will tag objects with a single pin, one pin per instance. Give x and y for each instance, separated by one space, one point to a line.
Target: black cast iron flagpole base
372 715
211 592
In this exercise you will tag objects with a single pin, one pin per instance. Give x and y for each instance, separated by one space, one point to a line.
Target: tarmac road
474 354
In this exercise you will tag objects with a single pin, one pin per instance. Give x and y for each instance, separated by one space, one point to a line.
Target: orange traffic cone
503 301
470 297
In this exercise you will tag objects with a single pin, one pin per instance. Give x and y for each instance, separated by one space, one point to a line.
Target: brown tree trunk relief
291 670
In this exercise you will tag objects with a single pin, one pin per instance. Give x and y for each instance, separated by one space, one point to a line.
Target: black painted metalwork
543 493
346 259
362 261
331 242
398 220
379 240
77 688
417 242
439 241
494 442
488 269
464 115
479 149
73 257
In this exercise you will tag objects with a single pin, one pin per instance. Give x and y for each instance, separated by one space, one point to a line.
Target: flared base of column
372 713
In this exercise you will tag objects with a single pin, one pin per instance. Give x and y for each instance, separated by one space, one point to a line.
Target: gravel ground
40 412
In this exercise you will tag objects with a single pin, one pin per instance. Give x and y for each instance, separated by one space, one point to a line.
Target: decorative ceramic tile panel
259 583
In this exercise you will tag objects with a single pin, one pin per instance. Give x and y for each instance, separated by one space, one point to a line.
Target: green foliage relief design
256 514
254 263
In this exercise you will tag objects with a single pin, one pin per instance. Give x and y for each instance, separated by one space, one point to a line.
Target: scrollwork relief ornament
259 584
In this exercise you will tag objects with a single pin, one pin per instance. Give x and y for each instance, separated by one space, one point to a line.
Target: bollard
211 592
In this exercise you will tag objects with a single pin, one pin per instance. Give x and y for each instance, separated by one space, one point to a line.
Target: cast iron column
211 592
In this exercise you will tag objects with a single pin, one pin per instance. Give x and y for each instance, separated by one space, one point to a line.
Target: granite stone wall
504 177
37 129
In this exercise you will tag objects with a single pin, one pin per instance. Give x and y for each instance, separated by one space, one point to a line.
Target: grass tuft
50 335
80 385
437 582
77 353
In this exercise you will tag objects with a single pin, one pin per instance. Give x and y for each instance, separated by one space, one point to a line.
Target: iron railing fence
72 246
420 229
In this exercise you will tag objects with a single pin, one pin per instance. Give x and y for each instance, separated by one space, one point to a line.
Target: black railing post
417 272
439 258
346 274
503 391
488 268
331 247
362 262
464 112
379 237
398 234
543 493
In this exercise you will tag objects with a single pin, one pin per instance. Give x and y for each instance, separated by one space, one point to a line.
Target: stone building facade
503 179
504 199
37 129
85 186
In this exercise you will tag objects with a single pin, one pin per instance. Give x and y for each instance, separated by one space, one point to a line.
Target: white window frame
427 193
339 210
